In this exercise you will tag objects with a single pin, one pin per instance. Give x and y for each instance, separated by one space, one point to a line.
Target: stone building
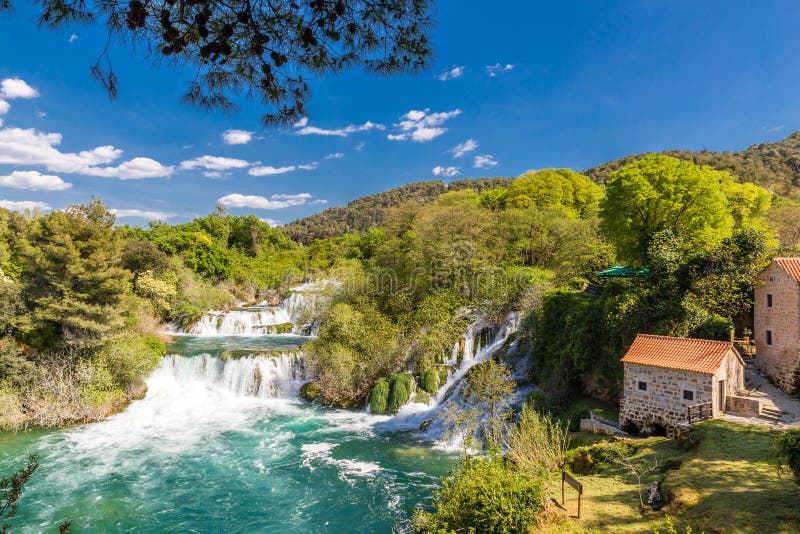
776 322
664 376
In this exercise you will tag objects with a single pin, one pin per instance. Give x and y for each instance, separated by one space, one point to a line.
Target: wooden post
569 479
689 414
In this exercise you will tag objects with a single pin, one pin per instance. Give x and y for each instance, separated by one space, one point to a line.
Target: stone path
758 386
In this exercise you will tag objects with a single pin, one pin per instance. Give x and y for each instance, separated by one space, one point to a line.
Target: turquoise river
210 449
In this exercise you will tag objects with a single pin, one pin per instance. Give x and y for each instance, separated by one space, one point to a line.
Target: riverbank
722 480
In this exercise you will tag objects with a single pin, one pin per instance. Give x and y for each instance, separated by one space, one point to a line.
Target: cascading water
465 354
272 376
250 321
295 314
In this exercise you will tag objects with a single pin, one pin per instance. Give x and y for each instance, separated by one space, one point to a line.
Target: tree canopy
698 204
266 49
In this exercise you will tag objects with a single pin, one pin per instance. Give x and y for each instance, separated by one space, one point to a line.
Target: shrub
309 391
400 390
128 358
378 398
15 370
481 495
787 452
428 381
580 461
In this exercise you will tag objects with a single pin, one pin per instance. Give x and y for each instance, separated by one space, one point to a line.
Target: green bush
400 390
787 452
580 461
428 381
309 391
378 398
15 369
128 358
481 495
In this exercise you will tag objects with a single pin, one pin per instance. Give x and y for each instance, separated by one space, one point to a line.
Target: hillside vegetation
774 166
370 211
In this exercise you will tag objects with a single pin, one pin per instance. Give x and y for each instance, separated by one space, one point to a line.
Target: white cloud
41 114
422 126
272 222
237 137
339 132
484 162
214 163
73 38
135 169
498 68
774 129
16 88
215 174
22 205
335 155
33 181
360 146
451 74
274 202
446 171
142 214
4 107
20 146
464 148
268 170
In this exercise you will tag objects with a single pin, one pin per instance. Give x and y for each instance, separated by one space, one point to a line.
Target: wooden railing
699 412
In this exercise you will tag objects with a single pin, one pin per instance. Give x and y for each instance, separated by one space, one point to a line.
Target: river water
225 446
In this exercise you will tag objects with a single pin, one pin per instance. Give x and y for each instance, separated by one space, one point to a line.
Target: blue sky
571 85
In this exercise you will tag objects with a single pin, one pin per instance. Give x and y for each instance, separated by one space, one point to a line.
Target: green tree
659 193
72 277
562 189
267 49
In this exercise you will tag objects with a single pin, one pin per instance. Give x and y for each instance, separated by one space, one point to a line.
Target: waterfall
256 375
250 321
295 314
466 353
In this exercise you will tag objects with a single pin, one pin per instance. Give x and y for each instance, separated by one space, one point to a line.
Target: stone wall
663 401
781 359
743 405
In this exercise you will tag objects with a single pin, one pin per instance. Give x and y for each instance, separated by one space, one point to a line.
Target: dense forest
370 211
774 166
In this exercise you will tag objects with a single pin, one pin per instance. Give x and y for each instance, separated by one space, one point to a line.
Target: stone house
776 322
664 376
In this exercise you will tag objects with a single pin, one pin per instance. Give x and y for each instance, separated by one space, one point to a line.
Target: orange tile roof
791 266
701 355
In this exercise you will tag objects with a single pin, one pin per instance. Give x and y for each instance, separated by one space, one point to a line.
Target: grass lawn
726 484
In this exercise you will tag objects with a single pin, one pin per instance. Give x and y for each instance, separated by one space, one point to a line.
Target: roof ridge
659 336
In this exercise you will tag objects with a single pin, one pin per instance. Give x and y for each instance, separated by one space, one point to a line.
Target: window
642 386
769 300
688 395
769 337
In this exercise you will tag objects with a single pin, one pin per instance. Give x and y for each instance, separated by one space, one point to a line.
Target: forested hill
369 211
775 166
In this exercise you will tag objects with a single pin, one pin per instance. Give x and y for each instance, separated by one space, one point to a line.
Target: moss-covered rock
400 390
429 381
284 328
309 391
379 397
425 424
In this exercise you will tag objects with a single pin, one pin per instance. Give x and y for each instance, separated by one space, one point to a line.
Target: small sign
577 486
